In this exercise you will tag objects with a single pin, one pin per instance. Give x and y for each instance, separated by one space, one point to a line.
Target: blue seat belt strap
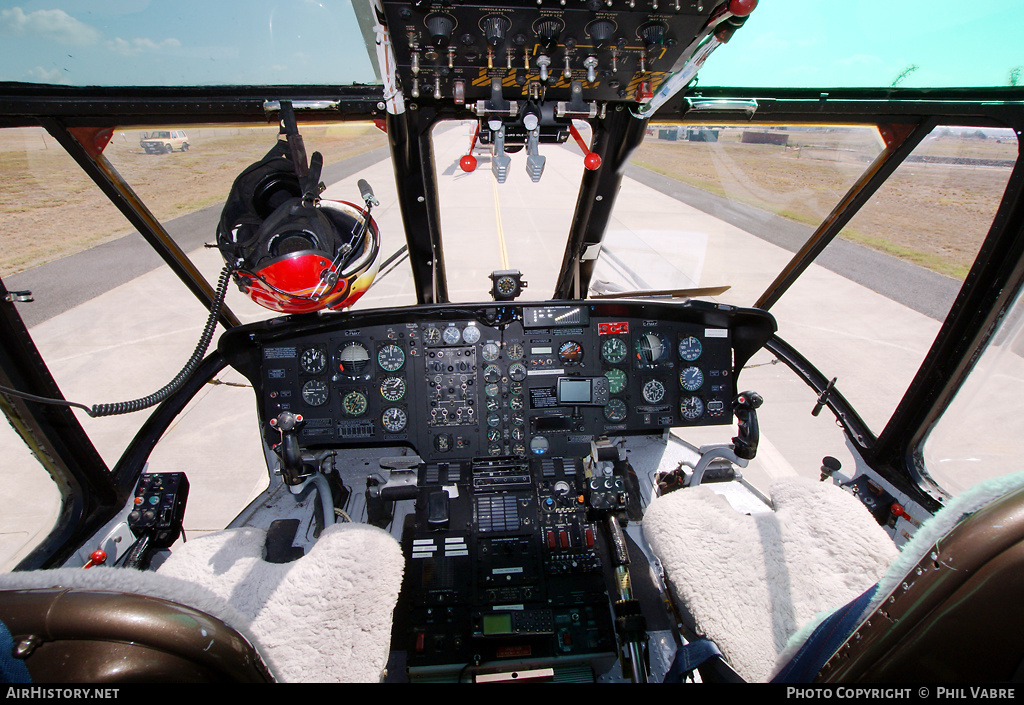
824 641
12 670
688 657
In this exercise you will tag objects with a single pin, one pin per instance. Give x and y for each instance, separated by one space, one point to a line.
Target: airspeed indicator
391 357
690 349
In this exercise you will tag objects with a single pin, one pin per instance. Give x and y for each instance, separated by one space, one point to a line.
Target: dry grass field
49 208
932 214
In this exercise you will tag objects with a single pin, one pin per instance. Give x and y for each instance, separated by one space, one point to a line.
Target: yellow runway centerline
501 232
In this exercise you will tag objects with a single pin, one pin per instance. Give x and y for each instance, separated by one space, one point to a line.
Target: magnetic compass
506 284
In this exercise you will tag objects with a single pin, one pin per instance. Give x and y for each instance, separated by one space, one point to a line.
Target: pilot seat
815 590
215 610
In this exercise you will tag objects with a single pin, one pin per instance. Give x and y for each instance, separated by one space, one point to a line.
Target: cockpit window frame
92 492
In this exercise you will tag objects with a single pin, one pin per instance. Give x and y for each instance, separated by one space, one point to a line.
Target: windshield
873 43
187 43
281 42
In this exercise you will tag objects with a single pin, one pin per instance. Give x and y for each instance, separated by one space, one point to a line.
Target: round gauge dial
518 433
353 358
570 352
505 285
492 373
431 335
490 352
493 420
691 379
354 403
451 335
493 435
690 349
492 404
518 419
517 372
492 390
614 350
615 410
652 349
515 403
391 357
691 408
616 380
394 419
653 391
315 392
471 334
392 388
313 360
514 351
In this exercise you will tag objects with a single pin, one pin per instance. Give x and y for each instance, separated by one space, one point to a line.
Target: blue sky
185 42
817 43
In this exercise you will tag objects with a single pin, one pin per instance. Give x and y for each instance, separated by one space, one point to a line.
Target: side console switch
159 509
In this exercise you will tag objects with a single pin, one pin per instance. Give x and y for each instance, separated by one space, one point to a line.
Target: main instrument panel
523 380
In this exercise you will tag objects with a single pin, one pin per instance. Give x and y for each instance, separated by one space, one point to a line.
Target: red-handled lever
468 162
96 558
591 161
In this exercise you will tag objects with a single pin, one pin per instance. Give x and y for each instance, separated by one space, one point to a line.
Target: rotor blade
672 293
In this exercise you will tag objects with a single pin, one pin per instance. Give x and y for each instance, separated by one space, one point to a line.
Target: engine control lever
630 624
745 407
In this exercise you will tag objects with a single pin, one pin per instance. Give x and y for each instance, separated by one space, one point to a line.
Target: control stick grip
746 440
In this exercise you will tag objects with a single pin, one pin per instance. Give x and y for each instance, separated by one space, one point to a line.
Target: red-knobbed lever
96 558
742 8
468 162
591 161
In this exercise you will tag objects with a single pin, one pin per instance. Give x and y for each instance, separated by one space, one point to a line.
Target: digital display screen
497 624
553 423
541 351
573 391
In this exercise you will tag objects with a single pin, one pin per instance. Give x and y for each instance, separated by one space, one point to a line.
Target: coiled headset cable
127 407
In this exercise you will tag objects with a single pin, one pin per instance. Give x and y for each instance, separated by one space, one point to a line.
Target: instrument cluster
455 383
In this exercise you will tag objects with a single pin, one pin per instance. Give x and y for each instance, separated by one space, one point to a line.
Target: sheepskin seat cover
750 582
325 617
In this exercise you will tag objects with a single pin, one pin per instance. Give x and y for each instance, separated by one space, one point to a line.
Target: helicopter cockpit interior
517 357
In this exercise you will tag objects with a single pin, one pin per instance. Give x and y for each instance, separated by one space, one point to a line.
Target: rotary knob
601 30
440 27
653 34
495 27
548 31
